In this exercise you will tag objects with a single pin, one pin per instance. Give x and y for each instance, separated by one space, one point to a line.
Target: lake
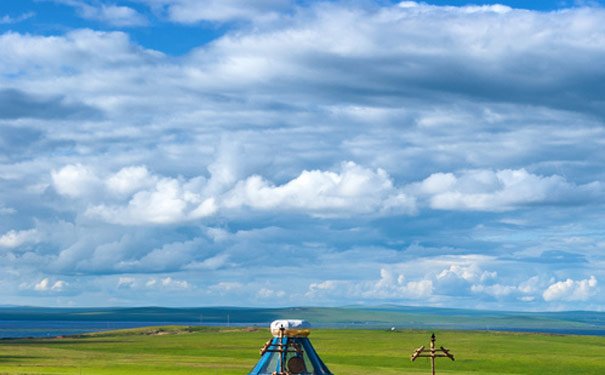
52 328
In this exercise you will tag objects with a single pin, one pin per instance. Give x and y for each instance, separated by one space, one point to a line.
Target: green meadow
234 351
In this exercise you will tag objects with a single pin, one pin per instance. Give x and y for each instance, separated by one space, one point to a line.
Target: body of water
52 328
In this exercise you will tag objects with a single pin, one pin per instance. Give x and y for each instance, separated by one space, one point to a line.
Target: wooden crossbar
432 353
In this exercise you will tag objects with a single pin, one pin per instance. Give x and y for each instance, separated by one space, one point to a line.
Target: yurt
289 352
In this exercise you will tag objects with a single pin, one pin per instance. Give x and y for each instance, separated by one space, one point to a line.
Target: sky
302 153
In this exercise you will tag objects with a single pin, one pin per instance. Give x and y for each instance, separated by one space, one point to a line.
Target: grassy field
234 351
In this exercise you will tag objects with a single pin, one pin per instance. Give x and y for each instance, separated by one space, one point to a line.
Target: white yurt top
292 327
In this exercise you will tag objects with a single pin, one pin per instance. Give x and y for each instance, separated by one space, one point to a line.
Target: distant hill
384 316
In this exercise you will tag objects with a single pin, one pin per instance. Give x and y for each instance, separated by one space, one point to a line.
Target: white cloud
212 263
74 180
130 179
160 200
389 287
496 8
208 207
42 285
468 269
270 293
13 239
530 286
152 199
459 109
127 282
115 15
324 285
571 290
6 19
354 190
438 183
169 282
163 205
463 275
59 285
486 190
6 210
469 9
466 272
191 11
110 14
408 4
46 285
71 59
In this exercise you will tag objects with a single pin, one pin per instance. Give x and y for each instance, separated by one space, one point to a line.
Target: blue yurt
289 352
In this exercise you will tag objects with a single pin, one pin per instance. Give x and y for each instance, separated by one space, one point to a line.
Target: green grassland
234 351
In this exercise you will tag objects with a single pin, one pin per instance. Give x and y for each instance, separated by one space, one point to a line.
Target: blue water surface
52 328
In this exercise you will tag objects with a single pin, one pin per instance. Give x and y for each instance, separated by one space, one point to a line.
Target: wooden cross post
433 353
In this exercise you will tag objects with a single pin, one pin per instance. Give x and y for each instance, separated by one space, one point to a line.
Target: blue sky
187 153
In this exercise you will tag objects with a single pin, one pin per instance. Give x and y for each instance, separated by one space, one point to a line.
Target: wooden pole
433 354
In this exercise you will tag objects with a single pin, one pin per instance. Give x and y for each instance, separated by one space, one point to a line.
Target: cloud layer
406 153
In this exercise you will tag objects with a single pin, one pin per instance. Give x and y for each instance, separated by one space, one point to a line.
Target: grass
178 350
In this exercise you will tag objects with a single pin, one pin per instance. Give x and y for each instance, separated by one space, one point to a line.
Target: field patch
234 351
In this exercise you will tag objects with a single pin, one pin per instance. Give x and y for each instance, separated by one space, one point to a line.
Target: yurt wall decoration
289 352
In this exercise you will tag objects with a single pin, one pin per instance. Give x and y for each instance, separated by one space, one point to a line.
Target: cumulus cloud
389 287
130 179
13 239
160 200
167 283
322 193
46 285
119 156
152 199
75 180
485 190
465 272
165 204
465 275
125 282
270 293
571 290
